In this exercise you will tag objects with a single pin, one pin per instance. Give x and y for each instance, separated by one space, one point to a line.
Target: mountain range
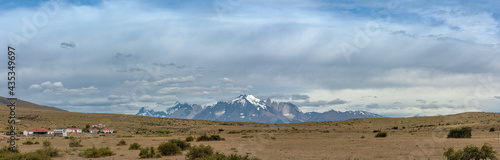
248 108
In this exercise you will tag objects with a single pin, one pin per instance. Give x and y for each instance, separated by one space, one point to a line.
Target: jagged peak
249 98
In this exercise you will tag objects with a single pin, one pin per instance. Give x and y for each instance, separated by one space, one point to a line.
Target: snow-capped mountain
245 108
248 108
179 110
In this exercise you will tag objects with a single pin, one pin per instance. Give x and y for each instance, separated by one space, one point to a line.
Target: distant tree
464 132
87 126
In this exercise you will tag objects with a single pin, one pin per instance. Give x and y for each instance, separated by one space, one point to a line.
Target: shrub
182 144
149 152
96 153
381 134
221 156
204 137
464 132
199 152
162 131
492 129
28 143
37 142
49 151
216 138
24 156
471 152
169 149
46 143
121 143
189 139
74 143
134 146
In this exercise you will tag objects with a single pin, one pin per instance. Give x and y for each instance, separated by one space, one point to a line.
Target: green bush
201 151
149 152
162 131
492 129
471 152
24 156
216 138
189 139
207 153
169 149
46 143
464 132
74 143
182 144
121 143
41 154
204 137
381 134
134 146
37 142
28 143
96 153
49 151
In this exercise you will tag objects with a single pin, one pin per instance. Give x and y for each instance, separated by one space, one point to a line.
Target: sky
395 58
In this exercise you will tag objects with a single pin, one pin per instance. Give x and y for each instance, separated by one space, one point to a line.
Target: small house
60 132
107 130
74 130
98 125
93 131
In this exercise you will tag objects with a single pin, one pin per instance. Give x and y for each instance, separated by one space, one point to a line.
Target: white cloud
58 89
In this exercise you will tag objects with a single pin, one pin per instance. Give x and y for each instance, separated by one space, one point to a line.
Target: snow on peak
251 99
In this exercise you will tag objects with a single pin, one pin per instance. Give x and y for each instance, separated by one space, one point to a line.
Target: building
98 125
60 132
93 131
37 133
74 130
107 130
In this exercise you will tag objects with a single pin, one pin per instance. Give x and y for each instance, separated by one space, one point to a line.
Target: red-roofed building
107 130
93 131
38 132
98 125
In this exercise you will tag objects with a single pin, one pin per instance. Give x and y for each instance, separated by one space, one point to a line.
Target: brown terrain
408 138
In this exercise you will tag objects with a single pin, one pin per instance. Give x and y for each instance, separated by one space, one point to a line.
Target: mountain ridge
248 108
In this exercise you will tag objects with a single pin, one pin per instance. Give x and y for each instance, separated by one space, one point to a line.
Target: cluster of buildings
63 132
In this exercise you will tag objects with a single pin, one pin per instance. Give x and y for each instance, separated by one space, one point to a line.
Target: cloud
373 105
285 50
68 44
299 97
58 89
421 100
226 80
322 103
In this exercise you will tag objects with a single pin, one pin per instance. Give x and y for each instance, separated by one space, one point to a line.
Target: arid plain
408 138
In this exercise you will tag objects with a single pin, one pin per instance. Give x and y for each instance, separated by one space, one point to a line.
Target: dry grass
414 138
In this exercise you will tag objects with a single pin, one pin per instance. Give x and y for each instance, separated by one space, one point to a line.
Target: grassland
407 138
